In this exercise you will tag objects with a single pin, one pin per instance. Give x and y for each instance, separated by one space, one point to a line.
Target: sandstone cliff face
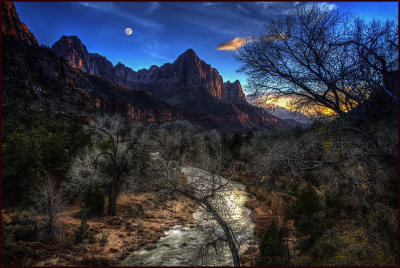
194 76
12 25
75 53
102 66
189 84
124 76
36 79
187 76
94 84
232 92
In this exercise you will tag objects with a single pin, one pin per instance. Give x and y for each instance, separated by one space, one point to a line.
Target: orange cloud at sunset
240 41
234 44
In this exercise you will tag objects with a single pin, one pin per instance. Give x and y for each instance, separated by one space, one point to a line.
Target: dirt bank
141 220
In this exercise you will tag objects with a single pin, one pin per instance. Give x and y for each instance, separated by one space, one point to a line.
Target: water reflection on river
179 246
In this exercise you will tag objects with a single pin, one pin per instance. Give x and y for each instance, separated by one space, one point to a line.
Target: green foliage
323 249
22 164
28 232
93 200
136 210
391 191
273 250
308 218
333 204
82 231
354 248
233 144
91 236
33 145
18 229
104 236
262 196
249 136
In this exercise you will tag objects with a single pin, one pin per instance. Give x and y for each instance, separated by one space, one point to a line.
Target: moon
128 31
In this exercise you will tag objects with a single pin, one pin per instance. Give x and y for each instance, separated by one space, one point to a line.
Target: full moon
128 31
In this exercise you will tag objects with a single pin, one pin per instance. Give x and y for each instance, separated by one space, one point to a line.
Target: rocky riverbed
180 244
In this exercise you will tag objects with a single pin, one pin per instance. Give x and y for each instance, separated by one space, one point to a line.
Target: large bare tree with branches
204 186
109 162
48 205
323 59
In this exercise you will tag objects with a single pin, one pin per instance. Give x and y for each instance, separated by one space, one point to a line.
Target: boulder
150 246
113 250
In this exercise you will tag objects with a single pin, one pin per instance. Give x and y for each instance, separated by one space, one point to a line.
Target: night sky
164 30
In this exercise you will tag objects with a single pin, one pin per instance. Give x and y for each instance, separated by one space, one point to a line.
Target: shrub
136 210
104 236
93 200
261 195
92 236
25 232
12 232
94 257
308 218
82 231
323 250
333 204
273 251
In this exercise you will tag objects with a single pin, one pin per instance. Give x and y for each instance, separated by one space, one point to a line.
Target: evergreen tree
93 200
273 250
308 218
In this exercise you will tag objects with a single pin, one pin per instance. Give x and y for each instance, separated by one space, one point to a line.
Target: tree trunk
228 235
112 200
112 197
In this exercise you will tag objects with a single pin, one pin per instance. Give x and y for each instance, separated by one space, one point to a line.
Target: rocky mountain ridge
36 79
187 75
12 26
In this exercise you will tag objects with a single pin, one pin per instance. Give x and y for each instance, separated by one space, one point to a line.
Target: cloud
240 41
156 50
242 9
115 9
326 5
206 4
234 44
153 7
323 5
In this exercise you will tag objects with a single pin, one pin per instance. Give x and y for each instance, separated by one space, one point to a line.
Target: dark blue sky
164 30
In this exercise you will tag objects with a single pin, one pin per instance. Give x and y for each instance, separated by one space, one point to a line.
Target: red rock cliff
12 26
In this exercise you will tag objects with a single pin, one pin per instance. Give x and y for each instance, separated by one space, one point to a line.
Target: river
180 245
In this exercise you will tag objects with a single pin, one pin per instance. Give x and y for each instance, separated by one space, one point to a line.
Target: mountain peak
190 51
72 40
70 37
189 54
74 52
12 26
233 92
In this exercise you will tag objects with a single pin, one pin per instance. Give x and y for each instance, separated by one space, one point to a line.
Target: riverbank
181 244
141 220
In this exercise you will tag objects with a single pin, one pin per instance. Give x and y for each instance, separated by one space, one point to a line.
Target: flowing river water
180 245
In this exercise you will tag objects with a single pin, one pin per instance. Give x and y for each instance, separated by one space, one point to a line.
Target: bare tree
376 44
322 60
48 204
207 189
108 163
177 139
